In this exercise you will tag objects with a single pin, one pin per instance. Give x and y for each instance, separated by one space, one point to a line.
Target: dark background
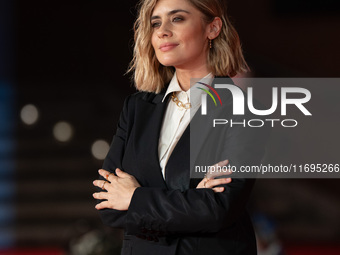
69 59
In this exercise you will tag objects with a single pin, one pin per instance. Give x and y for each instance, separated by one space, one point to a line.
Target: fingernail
117 169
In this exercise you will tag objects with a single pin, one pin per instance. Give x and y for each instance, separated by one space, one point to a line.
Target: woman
146 185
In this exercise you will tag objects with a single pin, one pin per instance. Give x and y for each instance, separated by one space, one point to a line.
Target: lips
167 46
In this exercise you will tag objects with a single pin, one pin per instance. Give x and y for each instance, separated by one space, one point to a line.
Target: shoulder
141 96
146 96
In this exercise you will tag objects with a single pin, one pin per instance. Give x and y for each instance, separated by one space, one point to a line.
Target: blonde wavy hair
225 58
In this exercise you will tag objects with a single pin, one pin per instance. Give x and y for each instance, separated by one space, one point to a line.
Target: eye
155 24
176 19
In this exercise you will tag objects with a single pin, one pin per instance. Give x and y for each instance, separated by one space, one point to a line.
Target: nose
164 30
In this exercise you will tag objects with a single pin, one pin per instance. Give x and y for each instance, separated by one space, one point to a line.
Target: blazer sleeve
198 211
113 160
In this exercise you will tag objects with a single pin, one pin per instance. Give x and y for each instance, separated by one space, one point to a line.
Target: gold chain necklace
179 103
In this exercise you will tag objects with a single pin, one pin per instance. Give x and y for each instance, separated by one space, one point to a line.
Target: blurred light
7 190
100 149
62 131
7 237
29 114
7 214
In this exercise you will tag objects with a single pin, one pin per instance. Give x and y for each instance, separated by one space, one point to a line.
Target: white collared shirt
177 119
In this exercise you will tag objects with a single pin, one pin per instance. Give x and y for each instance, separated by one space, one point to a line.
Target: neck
184 76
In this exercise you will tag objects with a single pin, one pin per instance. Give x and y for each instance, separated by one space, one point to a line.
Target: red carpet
52 251
313 250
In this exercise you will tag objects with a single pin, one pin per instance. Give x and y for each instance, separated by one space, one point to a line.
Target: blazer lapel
186 152
149 118
177 174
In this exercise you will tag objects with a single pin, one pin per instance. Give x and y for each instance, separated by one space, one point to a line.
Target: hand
209 182
119 189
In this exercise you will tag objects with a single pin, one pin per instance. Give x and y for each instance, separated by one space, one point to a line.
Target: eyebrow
170 13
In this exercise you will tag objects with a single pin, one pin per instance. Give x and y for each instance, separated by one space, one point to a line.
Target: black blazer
171 216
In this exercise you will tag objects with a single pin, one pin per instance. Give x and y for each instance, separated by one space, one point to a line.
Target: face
179 37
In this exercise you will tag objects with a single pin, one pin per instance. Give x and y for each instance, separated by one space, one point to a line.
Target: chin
168 62
165 63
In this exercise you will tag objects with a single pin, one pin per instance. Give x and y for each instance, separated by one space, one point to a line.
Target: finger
111 177
216 182
203 183
100 184
103 205
218 189
200 185
121 173
219 169
222 163
107 175
104 173
100 195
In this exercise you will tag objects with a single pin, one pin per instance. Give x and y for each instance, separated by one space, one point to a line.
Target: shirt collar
193 93
173 86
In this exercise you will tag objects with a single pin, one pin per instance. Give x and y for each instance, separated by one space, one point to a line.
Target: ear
214 28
